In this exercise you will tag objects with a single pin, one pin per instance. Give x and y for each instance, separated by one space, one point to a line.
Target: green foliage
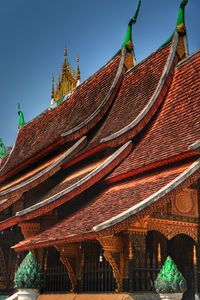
28 274
169 279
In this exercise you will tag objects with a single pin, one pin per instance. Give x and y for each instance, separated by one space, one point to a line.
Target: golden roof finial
52 90
59 78
78 72
64 66
68 79
65 51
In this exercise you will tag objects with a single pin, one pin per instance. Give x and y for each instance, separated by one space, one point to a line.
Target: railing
56 279
97 277
3 267
141 278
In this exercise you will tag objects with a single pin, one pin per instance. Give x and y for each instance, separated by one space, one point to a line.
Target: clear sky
33 34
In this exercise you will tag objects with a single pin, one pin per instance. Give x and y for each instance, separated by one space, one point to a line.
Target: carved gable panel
186 203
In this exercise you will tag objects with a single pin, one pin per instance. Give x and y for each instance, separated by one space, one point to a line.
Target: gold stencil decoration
185 203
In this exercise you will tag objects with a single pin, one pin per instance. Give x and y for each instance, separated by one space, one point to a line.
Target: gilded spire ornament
78 73
64 66
180 25
21 121
128 37
67 81
52 90
3 149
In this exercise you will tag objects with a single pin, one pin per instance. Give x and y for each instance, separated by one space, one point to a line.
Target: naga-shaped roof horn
3 149
128 37
180 25
21 121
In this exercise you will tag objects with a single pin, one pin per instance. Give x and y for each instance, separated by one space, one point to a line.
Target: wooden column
113 247
69 256
137 255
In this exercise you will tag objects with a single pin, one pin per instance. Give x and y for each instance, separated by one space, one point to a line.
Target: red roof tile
177 125
136 90
48 127
71 186
13 189
108 204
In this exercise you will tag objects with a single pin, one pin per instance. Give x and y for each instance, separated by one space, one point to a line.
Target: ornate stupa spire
67 81
2 149
128 37
64 66
180 24
78 72
52 90
65 52
21 121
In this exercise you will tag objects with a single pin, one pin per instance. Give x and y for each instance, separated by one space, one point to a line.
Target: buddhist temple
104 184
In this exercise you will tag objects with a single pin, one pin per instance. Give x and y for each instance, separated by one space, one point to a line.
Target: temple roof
123 200
137 88
47 129
177 125
12 190
170 117
133 131
69 186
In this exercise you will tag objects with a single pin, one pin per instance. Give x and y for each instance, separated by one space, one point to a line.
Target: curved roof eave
168 182
150 200
100 109
156 99
71 191
40 176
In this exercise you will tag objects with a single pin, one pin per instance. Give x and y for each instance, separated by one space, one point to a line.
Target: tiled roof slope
177 125
118 199
13 190
70 187
137 88
48 127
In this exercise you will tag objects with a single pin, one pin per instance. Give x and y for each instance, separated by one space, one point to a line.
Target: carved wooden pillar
69 256
137 255
113 247
139 248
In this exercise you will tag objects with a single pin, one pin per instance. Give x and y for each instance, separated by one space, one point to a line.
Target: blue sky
33 34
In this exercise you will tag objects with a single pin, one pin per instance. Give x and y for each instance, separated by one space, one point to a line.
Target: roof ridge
185 60
157 97
146 58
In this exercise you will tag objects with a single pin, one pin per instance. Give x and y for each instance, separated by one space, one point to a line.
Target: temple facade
104 185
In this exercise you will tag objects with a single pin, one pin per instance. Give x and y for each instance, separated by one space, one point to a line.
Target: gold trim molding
171 228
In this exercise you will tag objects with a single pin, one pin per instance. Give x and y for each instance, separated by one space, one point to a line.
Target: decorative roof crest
3 149
21 121
180 25
67 81
128 37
